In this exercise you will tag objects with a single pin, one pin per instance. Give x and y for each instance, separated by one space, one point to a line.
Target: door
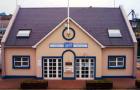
85 67
68 65
52 68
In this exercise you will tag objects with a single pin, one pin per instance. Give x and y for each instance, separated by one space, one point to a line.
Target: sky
9 6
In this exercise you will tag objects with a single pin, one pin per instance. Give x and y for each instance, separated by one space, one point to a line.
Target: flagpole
68 12
16 3
114 3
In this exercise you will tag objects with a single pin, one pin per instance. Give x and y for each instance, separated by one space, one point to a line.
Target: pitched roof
96 21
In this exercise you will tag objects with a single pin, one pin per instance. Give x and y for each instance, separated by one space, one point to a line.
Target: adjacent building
4 21
100 43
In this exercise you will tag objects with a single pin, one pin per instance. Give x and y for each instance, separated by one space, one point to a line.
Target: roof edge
102 46
128 24
8 29
34 46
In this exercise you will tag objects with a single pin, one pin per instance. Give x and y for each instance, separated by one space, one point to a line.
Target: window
116 62
21 62
24 33
114 33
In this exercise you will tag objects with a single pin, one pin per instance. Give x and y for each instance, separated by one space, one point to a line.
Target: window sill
21 67
116 67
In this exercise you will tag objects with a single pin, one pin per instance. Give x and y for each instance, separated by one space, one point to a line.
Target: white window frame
57 70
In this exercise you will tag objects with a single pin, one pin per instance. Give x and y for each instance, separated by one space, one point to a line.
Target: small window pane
111 58
24 63
120 58
114 33
112 63
24 58
23 33
17 58
17 63
120 63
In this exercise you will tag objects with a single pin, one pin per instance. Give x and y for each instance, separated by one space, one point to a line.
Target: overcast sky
9 6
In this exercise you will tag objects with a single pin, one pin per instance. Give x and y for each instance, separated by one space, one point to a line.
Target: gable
44 48
73 24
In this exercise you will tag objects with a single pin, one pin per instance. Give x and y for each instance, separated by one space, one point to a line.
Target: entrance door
52 68
85 67
68 65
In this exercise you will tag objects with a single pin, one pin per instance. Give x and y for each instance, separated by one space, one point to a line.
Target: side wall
9 52
128 71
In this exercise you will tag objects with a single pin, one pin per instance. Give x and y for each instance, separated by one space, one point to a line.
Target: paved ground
120 83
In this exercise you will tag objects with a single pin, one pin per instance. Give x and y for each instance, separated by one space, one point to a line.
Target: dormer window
114 33
23 33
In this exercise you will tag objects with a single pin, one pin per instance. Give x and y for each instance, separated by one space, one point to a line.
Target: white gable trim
102 46
59 26
5 36
49 34
128 25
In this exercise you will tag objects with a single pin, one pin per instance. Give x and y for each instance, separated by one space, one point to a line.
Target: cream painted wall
56 37
128 52
9 52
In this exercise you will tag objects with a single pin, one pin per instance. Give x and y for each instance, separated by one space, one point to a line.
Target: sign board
68 45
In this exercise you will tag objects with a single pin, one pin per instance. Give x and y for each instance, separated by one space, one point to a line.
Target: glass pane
24 58
114 33
24 63
83 60
54 60
23 33
45 75
77 64
92 60
45 60
111 58
112 63
120 63
59 75
17 58
45 71
77 60
17 63
59 60
50 60
120 58
45 64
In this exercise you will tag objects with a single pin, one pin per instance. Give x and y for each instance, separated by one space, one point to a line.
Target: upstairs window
24 33
114 33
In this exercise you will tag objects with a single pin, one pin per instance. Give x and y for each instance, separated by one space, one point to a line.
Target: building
99 44
4 21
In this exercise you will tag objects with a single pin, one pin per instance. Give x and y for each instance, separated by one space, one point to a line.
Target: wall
128 52
9 52
56 37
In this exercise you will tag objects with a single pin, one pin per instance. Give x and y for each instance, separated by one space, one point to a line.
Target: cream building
99 44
